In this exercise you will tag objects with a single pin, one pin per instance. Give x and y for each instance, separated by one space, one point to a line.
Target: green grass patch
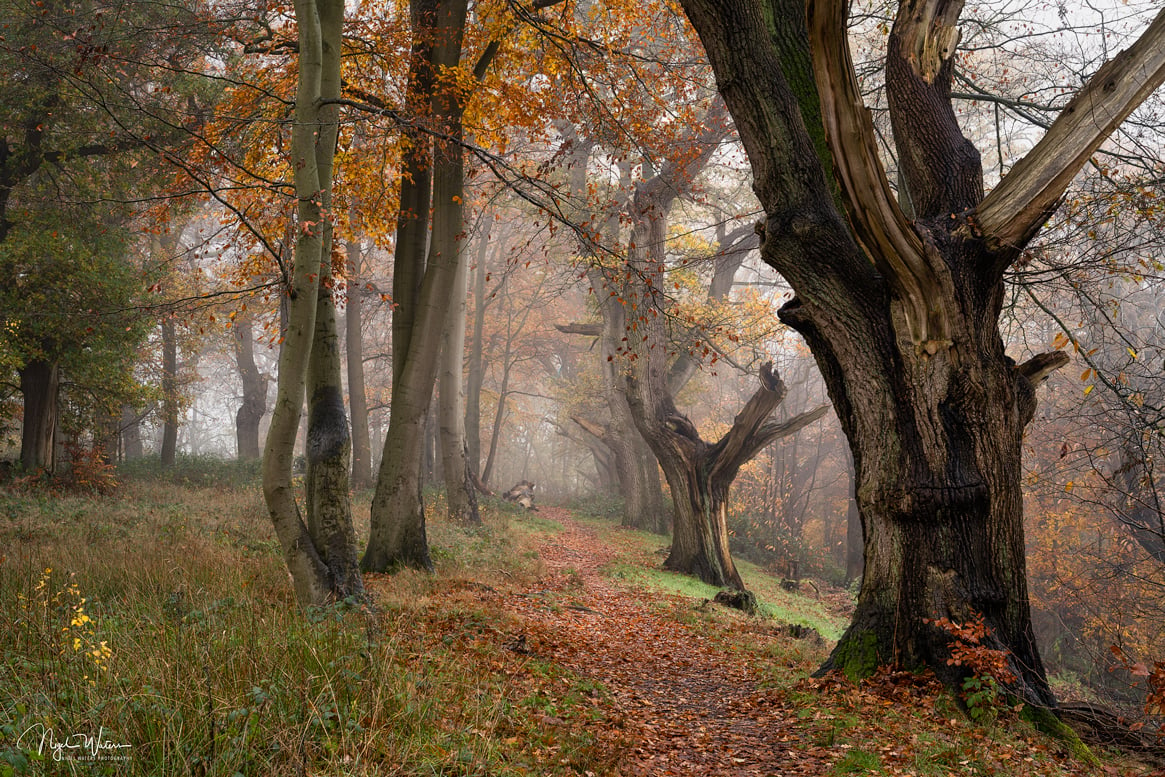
641 566
859 762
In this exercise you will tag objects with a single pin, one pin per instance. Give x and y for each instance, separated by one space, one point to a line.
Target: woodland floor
684 706
546 644
684 694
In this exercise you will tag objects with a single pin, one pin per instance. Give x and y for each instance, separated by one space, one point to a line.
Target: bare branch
878 223
594 430
774 430
575 328
1039 367
1015 209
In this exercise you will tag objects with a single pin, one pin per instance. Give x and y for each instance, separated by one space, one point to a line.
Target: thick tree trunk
700 540
354 359
40 386
901 316
597 441
855 546
169 393
643 503
397 536
700 473
416 183
250 413
941 509
640 486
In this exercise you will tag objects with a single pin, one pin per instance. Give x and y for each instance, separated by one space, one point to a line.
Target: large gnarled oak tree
902 315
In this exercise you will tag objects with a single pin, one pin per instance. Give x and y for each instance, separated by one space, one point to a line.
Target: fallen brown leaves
667 688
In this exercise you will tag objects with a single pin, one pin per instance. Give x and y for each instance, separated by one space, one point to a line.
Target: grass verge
154 632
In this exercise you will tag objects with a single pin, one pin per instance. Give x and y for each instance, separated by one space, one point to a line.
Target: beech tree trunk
329 444
397 536
250 413
448 196
131 433
902 316
1141 510
639 482
354 358
40 382
319 552
475 369
169 393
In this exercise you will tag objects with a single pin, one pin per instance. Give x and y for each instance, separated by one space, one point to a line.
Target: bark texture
329 443
475 369
397 537
319 551
700 473
901 316
131 433
449 243
40 383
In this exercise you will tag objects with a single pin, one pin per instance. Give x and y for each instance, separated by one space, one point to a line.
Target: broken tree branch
1015 209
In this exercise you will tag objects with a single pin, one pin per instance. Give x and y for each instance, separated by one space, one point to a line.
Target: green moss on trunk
857 655
1046 722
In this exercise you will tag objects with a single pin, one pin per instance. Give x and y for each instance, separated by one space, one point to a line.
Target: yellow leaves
1132 352
1060 341
1088 390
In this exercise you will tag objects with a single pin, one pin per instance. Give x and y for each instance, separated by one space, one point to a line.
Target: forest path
686 705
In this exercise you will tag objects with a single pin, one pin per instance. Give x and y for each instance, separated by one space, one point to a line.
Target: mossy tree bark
320 552
329 443
902 316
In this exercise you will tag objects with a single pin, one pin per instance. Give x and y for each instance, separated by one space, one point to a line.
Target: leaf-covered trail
684 705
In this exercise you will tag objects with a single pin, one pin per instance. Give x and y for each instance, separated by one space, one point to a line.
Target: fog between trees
594 226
